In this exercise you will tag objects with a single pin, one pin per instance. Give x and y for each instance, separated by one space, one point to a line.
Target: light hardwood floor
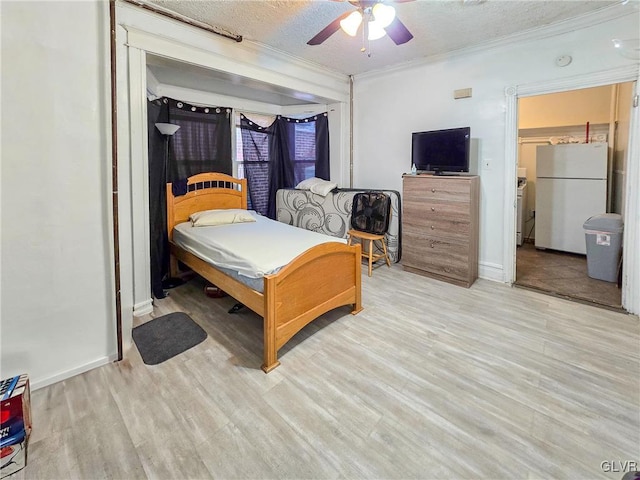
429 381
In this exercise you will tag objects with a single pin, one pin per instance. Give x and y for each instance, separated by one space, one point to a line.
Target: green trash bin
603 234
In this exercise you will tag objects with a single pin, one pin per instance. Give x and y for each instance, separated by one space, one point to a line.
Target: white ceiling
438 27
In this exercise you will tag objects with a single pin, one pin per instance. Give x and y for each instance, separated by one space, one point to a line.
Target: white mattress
251 249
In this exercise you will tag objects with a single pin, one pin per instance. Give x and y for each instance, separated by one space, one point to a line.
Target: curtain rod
181 18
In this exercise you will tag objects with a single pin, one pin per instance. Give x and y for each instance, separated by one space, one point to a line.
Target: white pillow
323 188
308 183
209 218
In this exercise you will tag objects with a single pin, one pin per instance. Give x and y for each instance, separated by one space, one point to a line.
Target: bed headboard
205 191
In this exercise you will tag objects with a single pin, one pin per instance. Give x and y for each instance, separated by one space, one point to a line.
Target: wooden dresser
440 227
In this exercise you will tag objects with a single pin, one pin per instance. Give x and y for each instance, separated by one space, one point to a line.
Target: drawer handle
433 190
433 245
433 227
433 209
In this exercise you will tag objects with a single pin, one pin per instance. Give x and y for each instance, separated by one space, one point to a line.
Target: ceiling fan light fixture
373 17
383 14
350 24
376 30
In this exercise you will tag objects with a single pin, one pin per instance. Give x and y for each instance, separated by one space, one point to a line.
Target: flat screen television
441 151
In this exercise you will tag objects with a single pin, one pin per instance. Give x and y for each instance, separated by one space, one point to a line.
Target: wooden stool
368 253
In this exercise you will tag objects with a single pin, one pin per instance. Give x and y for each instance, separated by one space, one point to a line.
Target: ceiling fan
378 18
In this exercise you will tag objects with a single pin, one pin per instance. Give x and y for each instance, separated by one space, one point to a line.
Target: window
304 151
252 158
279 152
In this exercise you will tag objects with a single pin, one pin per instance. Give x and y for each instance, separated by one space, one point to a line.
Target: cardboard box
15 425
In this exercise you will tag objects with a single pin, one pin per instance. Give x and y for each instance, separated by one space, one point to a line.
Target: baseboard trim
35 385
143 308
491 271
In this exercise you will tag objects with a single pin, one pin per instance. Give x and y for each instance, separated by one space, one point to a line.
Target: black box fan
370 212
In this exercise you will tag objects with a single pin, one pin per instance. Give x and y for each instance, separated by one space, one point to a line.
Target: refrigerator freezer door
562 207
582 160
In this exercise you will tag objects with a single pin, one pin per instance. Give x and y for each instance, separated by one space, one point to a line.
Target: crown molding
627 73
586 20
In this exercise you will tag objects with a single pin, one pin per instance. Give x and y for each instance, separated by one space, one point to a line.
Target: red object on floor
214 292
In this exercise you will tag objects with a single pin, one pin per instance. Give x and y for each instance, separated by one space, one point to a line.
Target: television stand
445 174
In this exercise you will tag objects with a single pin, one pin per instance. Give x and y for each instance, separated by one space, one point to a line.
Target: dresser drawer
448 217
441 227
429 187
438 255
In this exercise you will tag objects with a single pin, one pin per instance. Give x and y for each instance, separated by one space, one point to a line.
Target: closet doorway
551 127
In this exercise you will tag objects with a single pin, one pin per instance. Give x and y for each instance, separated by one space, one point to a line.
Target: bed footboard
321 279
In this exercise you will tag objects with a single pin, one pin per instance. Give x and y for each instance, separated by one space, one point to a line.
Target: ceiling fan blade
398 32
327 31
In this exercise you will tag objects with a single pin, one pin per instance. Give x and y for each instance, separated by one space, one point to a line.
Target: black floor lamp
168 130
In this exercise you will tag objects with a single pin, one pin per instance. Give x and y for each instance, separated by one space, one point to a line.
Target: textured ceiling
438 26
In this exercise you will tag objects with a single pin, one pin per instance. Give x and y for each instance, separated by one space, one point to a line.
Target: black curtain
201 144
255 156
281 158
282 155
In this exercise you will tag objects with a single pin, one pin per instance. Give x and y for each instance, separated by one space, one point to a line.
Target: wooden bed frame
322 278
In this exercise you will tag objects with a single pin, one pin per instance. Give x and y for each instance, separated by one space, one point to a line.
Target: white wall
390 105
57 312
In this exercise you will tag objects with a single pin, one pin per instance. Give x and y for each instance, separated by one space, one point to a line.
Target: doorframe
631 258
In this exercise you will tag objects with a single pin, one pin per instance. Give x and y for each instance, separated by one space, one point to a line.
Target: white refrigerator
571 186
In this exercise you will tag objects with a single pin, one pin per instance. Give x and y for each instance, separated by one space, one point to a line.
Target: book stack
15 426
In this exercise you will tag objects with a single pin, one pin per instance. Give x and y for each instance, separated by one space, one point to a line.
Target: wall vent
462 93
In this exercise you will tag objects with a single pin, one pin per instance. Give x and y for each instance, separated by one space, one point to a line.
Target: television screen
441 151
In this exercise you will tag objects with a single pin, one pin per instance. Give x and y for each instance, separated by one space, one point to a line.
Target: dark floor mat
165 337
